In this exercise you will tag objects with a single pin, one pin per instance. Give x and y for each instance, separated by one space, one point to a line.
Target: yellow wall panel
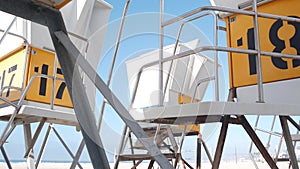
12 69
42 62
12 72
275 35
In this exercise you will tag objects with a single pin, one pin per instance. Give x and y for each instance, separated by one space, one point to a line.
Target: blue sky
132 45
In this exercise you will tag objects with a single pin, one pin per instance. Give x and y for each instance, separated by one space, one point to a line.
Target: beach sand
224 165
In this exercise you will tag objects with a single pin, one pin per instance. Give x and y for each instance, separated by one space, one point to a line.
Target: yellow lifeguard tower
32 84
263 50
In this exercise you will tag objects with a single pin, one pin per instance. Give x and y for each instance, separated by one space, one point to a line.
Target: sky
141 35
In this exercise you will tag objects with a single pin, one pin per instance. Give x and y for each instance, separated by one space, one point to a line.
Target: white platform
34 112
214 108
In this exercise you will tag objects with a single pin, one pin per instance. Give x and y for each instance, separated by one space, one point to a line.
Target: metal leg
77 155
35 137
43 146
257 142
5 157
131 146
207 151
288 141
151 164
278 151
270 136
137 164
186 163
198 157
121 147
178 154
293 122
65 145
114 102
172 139
27 136
222 137
182 164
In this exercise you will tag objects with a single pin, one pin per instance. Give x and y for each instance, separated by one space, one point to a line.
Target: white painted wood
281 92
184 76
59 115
215 108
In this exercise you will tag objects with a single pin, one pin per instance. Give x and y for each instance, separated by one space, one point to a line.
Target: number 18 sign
275 36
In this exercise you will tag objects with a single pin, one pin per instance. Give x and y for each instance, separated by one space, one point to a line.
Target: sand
224 165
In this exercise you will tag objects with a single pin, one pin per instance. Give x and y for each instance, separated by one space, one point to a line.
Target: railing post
217 97
161 44
258 56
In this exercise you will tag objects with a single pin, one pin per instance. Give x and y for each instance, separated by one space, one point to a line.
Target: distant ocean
109 155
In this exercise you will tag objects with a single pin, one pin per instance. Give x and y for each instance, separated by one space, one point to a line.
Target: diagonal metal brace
114 101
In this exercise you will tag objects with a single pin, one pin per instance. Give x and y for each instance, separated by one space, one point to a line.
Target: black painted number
43 82
11 71
279 45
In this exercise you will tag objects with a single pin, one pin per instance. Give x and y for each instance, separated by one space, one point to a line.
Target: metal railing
178 38
257 51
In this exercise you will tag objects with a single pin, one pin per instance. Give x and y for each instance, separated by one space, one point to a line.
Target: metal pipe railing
161 46
199 83
7 30
207 48
5 133
216 48
178 38
229 10
26 49
258 56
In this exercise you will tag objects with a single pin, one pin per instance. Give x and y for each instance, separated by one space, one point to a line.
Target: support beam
114 101
207 151
131 146
151 164
198 157
65 145
78 154
27 137
293 122
137 164
121 147
35 137
5 157
38 160
257 142
220 146
288 140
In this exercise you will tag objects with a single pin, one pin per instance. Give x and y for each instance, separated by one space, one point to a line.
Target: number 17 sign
275 36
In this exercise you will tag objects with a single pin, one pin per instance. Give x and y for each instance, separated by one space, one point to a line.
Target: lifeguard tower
32 87
182 87
264 76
